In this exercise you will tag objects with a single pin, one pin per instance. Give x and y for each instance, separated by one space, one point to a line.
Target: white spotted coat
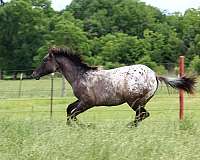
131 84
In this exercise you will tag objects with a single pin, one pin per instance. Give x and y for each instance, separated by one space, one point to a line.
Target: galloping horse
134 85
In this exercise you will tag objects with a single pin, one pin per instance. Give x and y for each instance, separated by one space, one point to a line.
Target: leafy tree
65 31
109 33
22 28
146 60
190 29
101 17
195 65
164 45
68 33
118 48
133 17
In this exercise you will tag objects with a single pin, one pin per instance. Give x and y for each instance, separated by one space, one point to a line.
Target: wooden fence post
181 92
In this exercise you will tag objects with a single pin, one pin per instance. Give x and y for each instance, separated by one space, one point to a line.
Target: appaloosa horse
135 84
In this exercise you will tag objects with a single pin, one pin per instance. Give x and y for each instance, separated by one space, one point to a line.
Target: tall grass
41 139
27 133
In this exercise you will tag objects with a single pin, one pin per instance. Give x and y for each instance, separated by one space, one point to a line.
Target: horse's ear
52 51
51 55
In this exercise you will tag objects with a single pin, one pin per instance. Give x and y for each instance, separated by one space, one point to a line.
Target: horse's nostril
34 75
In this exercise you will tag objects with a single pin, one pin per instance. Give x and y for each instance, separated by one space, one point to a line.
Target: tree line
106 33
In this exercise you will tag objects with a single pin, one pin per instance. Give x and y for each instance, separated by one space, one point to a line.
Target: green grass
28 133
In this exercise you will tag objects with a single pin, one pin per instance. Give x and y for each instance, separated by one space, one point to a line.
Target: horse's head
49 65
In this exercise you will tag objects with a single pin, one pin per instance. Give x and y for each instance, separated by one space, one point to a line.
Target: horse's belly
109 99
111 103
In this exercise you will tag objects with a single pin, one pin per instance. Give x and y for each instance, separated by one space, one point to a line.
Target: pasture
28 133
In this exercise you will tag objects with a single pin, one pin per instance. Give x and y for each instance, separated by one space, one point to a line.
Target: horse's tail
185 83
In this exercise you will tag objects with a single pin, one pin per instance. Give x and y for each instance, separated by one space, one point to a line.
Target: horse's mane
72 55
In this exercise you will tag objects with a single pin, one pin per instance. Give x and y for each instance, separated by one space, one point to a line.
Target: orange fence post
181 92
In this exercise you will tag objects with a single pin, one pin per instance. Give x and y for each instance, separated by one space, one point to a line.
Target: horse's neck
69 70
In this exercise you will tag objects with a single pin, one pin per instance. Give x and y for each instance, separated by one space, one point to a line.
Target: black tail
185 83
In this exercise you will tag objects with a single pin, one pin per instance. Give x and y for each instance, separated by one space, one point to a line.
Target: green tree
163 45
64 31
101 17
195 65
146 60
118 48
190 32
22 28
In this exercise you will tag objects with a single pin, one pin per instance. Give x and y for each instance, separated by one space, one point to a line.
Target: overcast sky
174 5
168 5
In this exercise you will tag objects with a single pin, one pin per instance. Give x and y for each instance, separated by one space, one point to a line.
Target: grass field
28 133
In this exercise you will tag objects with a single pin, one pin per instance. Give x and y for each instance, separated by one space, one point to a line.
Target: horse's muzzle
35 75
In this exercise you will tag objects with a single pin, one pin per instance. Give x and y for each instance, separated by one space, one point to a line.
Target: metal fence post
63 87
51 99
20 85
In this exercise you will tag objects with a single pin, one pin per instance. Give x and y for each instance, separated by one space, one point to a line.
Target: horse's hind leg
141 114
139 107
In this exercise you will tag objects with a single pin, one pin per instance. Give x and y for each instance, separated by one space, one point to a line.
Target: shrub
195 65
146 60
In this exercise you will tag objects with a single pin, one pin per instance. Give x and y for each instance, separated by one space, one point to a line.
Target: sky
169 6
60 4
174 5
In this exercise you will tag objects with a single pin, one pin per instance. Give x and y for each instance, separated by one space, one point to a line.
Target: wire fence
60 92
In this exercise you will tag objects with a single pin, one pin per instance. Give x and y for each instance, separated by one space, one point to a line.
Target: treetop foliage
107 33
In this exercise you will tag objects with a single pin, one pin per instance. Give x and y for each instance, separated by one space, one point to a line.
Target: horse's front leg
69 110
81 107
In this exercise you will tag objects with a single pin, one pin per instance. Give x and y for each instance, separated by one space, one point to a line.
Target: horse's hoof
68 122
131 124
147 114
136 123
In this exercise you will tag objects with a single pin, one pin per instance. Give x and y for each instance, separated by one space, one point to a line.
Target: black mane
73 56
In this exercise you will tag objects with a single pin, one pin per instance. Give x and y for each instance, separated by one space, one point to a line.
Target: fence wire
25 90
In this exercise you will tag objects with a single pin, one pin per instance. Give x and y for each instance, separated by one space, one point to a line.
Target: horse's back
135 80
134 73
